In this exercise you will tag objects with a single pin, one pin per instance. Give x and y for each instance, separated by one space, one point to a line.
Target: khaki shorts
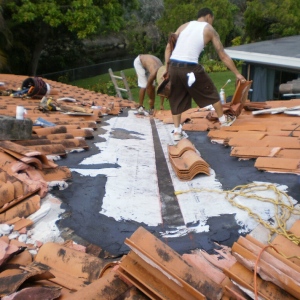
203 90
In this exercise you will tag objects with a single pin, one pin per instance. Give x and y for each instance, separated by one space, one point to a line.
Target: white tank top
190 43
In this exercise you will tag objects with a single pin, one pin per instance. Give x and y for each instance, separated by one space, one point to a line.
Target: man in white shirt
188 78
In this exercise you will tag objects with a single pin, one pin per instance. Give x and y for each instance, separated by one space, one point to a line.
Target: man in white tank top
188 78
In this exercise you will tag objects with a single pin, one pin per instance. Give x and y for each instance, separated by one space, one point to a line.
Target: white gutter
266 59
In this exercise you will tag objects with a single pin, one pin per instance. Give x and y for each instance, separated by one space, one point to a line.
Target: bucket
36 85
20 111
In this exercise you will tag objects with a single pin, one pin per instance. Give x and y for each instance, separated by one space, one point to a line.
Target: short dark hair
204 12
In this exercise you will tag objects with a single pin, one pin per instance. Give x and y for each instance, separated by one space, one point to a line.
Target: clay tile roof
151 269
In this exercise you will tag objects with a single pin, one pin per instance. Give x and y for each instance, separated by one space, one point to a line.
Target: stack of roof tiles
152 270
186 161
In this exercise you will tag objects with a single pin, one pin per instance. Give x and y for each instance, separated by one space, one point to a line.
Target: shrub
64 78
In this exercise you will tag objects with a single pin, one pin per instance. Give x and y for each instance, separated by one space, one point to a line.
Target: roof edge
267 59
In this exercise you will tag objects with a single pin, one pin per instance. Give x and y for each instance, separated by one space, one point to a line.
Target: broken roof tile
72 269
10 284
41 292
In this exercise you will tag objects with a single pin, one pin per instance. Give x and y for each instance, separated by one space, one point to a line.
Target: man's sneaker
141 110
177 136
151 111
228 121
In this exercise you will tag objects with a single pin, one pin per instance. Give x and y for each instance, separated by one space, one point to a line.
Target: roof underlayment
122 184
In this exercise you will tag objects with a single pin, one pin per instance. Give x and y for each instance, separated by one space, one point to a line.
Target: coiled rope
283 209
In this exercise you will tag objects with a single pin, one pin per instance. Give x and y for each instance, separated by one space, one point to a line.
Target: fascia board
266 59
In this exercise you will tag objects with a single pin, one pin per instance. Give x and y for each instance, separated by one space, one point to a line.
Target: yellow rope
283 210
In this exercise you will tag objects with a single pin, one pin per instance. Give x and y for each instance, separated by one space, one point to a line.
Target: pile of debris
42 121
152 270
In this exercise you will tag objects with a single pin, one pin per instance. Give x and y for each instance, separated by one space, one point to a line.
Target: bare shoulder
151 62
210 34
152 59
209 31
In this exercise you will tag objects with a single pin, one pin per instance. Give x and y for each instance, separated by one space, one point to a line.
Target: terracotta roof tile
244 277
37 292
6 251
188 165
22 209
110 286
11 283
269 268
182 146
201 263
72 269
277 164
254 152
21 259
151 263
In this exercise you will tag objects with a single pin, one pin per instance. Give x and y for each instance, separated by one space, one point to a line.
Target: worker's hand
241 78
166 75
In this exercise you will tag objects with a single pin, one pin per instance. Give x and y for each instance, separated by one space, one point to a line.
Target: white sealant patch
44 228
132 188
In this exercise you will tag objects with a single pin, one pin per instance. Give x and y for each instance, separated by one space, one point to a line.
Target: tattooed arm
210 34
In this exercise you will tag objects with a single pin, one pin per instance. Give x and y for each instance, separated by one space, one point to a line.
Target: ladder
118 89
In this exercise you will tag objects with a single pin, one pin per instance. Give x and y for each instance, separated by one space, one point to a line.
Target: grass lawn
219 79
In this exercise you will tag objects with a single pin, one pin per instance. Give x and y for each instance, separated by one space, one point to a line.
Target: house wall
266 81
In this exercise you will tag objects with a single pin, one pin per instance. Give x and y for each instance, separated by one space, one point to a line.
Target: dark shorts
203 90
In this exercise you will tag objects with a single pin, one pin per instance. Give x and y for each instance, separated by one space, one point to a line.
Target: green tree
32 21
176 14
141 31
265 19
5 38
